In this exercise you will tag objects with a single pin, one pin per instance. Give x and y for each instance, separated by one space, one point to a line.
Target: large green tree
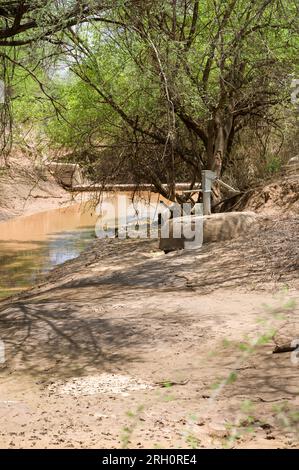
185 77
164 89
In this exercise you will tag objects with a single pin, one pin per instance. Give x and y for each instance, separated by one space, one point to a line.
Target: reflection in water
31 246
23 268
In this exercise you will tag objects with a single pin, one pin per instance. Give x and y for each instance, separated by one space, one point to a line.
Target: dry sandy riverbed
126 346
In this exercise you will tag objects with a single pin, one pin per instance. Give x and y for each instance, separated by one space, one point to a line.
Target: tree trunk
219 129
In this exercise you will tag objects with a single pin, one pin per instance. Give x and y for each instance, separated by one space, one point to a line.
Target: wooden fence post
207 179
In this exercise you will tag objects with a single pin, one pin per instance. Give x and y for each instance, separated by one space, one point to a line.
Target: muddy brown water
31 246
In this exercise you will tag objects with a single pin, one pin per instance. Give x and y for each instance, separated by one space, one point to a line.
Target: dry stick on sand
283 348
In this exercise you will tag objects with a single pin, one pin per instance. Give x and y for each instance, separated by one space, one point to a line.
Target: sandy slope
25 190
126 309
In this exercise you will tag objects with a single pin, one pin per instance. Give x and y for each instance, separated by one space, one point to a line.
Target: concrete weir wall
182 232
66 174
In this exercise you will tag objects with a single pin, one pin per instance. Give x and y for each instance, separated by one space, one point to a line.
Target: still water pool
31 246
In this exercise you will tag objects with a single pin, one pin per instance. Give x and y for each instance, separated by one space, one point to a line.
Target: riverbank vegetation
153 91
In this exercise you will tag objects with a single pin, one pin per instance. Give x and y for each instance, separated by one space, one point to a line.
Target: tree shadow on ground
59 339
49 329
